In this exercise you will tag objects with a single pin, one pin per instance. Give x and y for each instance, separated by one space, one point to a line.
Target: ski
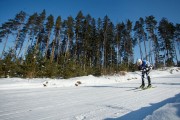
140 89
136 88
145 88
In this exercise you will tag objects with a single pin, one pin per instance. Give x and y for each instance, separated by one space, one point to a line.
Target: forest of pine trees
44 46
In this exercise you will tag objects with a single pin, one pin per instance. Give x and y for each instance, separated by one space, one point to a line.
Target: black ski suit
146 67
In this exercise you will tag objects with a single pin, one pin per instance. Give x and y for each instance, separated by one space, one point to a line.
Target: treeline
42 46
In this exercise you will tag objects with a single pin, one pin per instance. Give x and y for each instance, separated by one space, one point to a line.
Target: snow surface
112 97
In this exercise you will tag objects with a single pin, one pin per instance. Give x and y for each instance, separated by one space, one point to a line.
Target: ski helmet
139 62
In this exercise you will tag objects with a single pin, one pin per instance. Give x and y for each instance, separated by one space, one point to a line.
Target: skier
145 67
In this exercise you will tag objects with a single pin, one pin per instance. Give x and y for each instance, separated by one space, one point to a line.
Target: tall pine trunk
145 48
104 52
26 48
140 48
4 46
117 55
174 44
53 49
16 42
67 48
76 50
47 45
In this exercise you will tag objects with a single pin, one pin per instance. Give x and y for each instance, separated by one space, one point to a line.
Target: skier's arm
142 69
148 66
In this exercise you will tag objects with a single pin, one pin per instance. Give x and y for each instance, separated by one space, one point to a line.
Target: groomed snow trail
107 102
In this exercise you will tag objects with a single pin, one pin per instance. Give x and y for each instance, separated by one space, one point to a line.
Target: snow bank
165 71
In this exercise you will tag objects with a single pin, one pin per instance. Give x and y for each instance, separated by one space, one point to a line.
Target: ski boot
149 86
149 82
142 86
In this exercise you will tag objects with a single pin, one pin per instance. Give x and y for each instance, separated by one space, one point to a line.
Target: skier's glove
143 70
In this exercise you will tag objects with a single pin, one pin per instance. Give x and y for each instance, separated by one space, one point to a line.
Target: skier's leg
149 79
143 84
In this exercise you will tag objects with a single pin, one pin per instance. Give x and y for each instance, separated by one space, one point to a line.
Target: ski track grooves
82 103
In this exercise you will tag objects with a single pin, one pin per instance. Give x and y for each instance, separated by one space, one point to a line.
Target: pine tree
17 26
70 33
106 23
100 38
176 42
30 63
152 38
40 33
137 36
49 27
86 43
82 46
79 36
94 43
22 38
57 34
120 41
140 36
177 36
166 31
143 36
128 55
5 30
111 47
7 63
30 28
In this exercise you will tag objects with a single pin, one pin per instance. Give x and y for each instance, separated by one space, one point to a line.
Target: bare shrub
123 73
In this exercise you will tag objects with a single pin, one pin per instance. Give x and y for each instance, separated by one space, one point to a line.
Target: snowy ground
96 98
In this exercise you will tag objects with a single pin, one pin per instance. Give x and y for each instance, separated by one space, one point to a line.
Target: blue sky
117 10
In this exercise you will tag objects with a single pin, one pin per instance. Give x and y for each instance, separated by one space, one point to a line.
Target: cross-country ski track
120 101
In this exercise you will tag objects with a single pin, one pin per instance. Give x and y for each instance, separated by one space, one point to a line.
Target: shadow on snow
143 112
